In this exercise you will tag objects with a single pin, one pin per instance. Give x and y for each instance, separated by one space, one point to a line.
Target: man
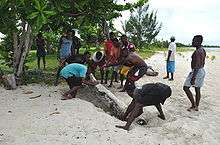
126 48
41 52
64 51
99 60
171 59
113 60
126 44
76 43
109 51
75 75
138 67
197 75
150 94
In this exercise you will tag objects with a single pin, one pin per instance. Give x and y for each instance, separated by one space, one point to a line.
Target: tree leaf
50 13
33 15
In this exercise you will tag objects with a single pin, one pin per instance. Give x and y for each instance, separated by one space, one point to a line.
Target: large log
108 101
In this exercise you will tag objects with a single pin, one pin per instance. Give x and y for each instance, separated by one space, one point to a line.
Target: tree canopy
142 26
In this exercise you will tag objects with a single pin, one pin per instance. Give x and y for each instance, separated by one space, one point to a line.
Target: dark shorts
41 52
153 94
74 81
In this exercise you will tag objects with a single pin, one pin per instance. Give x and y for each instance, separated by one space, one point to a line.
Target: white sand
25 121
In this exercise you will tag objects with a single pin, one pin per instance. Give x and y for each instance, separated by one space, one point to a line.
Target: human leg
190 97
167 76
61 65
198 96
137 111
44 62
38 62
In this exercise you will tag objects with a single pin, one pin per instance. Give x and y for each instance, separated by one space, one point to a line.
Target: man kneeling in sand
75 75
150 94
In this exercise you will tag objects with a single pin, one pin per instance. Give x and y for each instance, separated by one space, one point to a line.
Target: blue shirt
65 50
76 69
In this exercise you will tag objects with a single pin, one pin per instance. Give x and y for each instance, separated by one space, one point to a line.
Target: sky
184 19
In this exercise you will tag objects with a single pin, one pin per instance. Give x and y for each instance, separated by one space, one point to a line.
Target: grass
33 75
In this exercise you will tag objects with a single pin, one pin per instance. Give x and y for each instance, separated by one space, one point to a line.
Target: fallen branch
35 97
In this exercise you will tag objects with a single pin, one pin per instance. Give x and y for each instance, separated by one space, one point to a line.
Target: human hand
192 81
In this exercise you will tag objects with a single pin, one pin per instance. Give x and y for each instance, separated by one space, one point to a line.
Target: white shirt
172 47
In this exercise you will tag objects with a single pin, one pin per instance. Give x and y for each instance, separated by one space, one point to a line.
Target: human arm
89 82
196 65
169 54
69 94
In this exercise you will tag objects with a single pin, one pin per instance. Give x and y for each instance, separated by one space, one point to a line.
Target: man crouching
75 75
150 94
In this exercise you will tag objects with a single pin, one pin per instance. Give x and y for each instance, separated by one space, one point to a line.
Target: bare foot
123 127
196 108
190 109
161 116
165 77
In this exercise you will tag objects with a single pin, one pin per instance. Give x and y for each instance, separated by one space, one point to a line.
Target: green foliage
142 26
6 50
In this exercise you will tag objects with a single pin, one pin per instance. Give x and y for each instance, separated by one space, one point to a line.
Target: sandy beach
35 115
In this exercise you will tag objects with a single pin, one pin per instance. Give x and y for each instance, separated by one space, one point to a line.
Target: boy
75 75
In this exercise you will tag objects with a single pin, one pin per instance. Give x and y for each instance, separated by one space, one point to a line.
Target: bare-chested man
197 75
137 64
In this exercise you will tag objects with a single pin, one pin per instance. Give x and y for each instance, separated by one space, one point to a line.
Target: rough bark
9 81
27 40
108 101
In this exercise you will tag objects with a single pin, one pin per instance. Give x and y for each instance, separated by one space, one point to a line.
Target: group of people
69 45
196 76
120 60
118 57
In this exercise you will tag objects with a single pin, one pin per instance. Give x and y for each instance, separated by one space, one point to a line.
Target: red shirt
108 48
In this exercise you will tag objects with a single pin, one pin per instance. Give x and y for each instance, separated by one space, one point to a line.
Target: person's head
129 88
172 39
197 41
111 35
39 35
86 56
69 33
124 39
116 43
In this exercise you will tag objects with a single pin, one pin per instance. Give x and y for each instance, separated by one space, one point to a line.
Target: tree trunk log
27 40
109 102
9 81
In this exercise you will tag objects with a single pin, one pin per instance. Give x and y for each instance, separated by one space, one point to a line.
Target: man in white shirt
171 59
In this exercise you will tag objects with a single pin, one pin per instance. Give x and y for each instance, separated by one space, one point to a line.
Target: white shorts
199 79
